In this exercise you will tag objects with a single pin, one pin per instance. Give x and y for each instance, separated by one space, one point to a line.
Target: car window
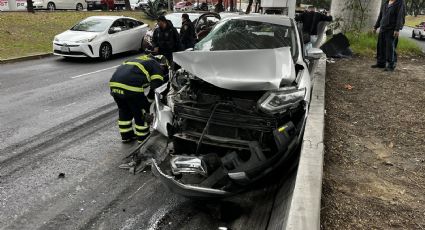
239 34
132 23
120 23
92 25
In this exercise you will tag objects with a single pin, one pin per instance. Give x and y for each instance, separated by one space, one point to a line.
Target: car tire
105 51
413 34
79 7
144 45
51 6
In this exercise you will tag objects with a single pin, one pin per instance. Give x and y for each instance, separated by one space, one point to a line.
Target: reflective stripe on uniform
124 122
141 67
141 134
157 76
126 130
141 128
144 58
126 87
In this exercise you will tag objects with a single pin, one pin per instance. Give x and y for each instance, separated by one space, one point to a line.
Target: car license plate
65 49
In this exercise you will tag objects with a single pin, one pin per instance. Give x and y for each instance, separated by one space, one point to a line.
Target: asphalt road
407 32
57 117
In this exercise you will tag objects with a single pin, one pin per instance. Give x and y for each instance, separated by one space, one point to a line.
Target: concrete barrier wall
304 211
297 204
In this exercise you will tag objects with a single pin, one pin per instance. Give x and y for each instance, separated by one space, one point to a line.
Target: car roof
190 13
274 19
109 17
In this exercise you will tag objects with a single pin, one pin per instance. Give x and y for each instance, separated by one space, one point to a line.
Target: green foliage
155 9
365 44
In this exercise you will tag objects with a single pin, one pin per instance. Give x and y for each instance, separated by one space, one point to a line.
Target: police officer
132 87
187 33
165 38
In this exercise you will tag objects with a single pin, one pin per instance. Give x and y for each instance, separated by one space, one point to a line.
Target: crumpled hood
73 36
247 70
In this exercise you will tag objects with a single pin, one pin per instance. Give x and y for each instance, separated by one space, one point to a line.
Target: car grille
69 53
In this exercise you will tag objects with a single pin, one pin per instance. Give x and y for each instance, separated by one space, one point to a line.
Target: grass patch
413 21
24 34
364 44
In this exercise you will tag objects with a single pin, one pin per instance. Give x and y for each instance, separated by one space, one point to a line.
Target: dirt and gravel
374 176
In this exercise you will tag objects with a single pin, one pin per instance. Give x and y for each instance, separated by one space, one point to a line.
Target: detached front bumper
187 190
72 49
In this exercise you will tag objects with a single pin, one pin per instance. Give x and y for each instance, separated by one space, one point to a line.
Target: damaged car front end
236 110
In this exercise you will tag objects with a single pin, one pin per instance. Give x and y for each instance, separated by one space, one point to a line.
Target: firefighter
132 87
165 38
187 33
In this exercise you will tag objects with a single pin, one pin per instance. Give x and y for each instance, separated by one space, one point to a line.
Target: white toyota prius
100 37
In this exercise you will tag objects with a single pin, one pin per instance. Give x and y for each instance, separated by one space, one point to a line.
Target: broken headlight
281 100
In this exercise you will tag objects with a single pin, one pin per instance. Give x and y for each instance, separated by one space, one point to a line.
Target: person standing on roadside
187 33
310 20
165 39
390 21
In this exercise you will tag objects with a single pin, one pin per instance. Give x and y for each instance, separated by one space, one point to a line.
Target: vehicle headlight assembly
280 100
86 40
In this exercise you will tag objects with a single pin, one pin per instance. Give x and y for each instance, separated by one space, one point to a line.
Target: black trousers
386 49
132 107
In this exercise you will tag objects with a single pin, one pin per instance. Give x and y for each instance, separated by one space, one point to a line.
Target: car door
119 40
136 31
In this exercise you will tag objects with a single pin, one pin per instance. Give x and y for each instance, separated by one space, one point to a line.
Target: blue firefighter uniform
129 87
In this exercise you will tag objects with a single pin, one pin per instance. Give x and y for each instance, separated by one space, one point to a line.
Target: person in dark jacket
310 20
165 38
128 87
187 33
390 21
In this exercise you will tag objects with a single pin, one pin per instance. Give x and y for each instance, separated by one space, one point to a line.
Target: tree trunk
248 9
340 10
30 6
232 5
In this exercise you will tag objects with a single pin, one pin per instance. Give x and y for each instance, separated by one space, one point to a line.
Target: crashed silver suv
236 110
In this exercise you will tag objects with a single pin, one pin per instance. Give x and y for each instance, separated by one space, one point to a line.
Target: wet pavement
59 156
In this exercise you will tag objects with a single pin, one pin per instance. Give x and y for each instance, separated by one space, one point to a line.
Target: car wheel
105 51
79 7
51 6
413 34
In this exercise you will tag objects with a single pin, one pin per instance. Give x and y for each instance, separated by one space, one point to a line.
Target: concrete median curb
300 209
304 212
25 58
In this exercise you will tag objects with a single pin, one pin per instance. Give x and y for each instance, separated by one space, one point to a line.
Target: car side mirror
113 30
314 53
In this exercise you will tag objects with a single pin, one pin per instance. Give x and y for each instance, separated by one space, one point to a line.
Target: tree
415 7
154 9
248 8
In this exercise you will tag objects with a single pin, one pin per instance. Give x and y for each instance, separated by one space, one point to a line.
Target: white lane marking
97 71
73 103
